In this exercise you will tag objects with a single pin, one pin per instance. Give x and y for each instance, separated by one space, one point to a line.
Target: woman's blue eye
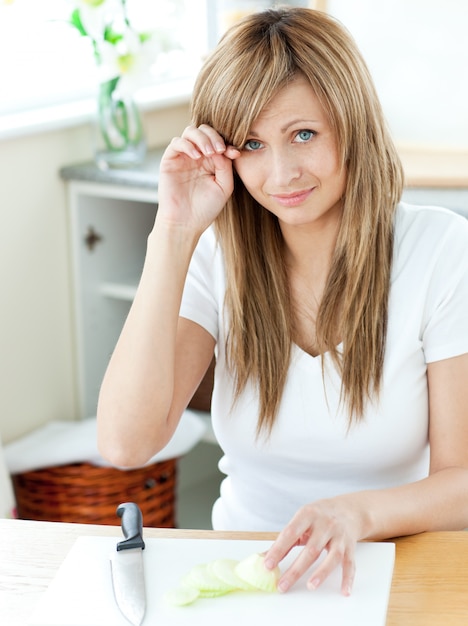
252 145
305 135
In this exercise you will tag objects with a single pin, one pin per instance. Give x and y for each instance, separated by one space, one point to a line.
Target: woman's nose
284 167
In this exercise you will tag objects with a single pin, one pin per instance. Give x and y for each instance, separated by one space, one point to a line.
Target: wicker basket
87 494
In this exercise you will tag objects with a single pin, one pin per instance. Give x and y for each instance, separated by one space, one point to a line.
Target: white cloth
64 442
310 455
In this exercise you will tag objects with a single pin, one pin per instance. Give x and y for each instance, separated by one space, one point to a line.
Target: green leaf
75 20
145 37
112 36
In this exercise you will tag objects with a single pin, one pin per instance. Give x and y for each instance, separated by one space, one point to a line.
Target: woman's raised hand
196 178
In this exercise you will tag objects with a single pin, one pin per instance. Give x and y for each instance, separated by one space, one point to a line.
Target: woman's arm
135 419
438 502
159 359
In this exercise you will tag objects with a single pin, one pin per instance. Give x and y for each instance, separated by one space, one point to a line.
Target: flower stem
119 119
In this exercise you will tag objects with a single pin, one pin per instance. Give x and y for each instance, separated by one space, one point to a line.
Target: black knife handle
132 526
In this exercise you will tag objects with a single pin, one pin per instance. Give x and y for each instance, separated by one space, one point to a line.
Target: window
46 61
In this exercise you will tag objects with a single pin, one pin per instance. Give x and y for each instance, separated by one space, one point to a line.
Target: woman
337 315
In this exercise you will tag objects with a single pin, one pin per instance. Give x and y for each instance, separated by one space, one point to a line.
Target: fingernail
283 585
313 584
220 147
269 564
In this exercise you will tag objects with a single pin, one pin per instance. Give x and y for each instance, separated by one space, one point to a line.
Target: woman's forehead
296 103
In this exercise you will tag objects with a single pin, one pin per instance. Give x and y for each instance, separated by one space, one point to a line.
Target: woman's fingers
338 554
207 138
314 539
318 530
180 145
296 533
196 142
207 141
349 572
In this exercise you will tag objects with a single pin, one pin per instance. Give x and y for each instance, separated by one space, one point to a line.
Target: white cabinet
111 215
109 227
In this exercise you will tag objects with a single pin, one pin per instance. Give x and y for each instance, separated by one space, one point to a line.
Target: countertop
429 585
143 176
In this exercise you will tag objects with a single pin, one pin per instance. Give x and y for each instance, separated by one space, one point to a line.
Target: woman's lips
292 199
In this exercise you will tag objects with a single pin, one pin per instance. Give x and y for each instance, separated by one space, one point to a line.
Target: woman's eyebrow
284 129
298 121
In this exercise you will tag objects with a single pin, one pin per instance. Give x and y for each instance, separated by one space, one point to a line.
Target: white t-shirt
310 454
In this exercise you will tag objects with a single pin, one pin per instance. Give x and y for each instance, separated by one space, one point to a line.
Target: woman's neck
309 248
309 252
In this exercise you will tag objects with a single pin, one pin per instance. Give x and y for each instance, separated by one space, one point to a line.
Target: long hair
254 60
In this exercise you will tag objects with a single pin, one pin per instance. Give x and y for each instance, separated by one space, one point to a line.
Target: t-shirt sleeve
199 302
445 333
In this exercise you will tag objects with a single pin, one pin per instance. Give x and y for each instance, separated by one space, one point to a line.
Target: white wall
36 335
417 52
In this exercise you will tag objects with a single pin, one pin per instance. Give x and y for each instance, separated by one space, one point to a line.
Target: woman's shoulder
429 241
429 226
430 214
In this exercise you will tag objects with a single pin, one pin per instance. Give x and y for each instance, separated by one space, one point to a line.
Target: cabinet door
109 244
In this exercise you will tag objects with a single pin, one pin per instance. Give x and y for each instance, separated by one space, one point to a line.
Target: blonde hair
253 61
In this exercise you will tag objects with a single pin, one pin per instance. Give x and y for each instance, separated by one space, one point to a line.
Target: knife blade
128 578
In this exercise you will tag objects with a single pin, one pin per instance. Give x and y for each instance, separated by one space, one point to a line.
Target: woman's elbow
121 456
129 450
124 451
129 439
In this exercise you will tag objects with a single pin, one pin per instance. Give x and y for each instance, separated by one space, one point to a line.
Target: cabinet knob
92 238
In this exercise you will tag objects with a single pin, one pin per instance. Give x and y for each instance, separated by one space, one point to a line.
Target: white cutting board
81 593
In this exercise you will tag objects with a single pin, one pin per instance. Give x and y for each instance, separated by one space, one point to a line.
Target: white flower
97 14
130 58
121 52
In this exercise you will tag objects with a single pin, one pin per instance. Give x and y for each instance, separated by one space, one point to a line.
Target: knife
127 565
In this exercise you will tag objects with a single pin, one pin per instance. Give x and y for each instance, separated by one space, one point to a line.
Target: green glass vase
120 140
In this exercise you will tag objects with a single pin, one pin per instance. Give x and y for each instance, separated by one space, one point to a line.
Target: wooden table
430 582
